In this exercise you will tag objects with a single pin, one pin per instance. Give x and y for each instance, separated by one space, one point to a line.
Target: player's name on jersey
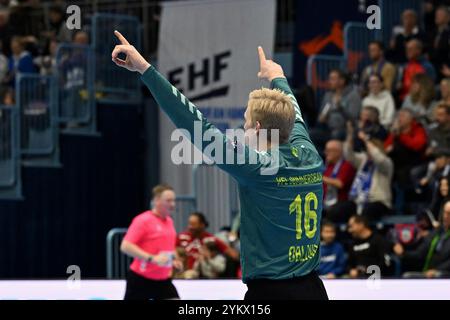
302 253
310 178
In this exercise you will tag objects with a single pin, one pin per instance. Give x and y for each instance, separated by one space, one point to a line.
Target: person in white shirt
381 99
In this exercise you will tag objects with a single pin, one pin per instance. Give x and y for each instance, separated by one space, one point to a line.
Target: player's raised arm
183 113
273 72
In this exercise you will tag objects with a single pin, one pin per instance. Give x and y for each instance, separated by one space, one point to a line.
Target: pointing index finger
121 38
262 56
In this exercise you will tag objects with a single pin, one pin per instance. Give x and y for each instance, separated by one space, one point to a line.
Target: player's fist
267 68
133 61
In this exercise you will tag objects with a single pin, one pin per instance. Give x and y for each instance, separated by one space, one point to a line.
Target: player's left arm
273 72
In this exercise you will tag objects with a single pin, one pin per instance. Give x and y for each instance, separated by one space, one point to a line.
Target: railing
115 85
216 195
356 41
36 98
318 68
117 263
10 180
76 96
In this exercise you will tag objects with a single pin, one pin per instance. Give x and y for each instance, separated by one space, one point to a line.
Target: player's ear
257 126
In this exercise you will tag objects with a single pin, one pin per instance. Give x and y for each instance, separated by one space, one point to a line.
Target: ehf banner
208 51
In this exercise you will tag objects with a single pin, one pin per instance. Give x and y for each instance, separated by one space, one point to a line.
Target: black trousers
140 288
308 287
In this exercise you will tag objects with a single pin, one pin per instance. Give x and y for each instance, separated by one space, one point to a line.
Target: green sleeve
185 115
299 133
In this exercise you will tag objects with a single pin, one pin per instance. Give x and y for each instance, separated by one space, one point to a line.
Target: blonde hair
274 110
158 190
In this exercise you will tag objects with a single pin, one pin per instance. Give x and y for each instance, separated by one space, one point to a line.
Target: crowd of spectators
29 37
385 138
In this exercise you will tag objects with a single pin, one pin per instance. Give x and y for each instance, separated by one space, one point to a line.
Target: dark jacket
439 258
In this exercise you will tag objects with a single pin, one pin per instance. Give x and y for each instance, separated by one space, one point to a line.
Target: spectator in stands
369 123
381 99
181 255
58 29
405 145
370 193
416 64
435 179
420 96
438 139
444 88
211 263
5 32
436 170
332 254
403 34
439 130
367 248
340 104
81 37
440 40
437 204
196 236
47 63
20 61
434 253
384 69
26 18
337 180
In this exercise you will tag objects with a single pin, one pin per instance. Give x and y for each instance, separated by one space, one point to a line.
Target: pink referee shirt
154 235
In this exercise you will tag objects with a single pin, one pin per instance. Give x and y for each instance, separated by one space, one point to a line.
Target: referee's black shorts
308 287
140 288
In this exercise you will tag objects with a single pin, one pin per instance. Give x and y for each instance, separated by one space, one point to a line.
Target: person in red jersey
196 236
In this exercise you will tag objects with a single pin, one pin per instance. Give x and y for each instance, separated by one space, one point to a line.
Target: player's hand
133 61
354 273
398 249
432 273
267 68
161 259
178 264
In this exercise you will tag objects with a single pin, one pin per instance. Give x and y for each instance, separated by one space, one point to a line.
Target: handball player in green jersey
280 181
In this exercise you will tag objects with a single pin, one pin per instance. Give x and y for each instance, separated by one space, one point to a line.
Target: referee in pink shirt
150 240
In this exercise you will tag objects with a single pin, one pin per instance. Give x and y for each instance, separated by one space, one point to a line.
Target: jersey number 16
308 215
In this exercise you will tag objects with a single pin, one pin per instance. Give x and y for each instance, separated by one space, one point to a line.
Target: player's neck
267 147
156 212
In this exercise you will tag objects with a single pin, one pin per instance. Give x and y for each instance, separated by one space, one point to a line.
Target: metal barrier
318 68
117 263
216 195
391 11
10 175
76 96
114 84
356 41
36 98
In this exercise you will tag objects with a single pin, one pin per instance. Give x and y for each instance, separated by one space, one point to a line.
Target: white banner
208 50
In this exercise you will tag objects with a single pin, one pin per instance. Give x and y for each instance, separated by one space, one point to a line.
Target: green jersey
280 211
